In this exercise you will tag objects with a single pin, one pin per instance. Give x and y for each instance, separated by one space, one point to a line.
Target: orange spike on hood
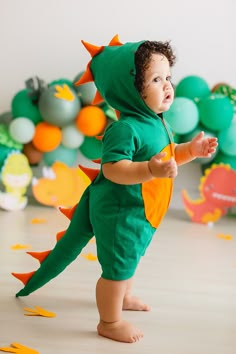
40 256
92 173
24 277
115 41
86 77
92 49
97 99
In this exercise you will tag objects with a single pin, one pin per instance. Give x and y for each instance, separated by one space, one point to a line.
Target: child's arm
197 147
128 172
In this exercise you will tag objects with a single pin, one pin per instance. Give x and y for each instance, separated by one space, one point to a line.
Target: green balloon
91 148
182 116
62 154
226 159
227 140
193 87
216 112
22 106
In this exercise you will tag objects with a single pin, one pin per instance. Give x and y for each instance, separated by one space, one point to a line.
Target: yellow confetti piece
89 256
226 237
38 311
20 247
38 221
19 349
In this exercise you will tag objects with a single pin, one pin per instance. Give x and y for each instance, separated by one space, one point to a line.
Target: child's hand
202 147
162 169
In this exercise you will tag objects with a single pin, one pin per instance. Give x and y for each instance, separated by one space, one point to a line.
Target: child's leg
110 295
132 302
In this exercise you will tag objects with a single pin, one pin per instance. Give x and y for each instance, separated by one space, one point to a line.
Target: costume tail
69 245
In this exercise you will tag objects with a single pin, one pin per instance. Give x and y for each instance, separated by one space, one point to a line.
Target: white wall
43 38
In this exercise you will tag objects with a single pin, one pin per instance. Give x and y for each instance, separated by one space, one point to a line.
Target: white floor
188 276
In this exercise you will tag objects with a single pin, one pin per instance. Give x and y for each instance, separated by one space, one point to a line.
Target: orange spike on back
92 173
60 234
97 160
92 49
115 41
40 256
24 277
99 137
86 77
98 98
68 212
117 114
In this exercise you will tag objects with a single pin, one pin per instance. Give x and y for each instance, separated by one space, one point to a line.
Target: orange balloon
47 137
91 120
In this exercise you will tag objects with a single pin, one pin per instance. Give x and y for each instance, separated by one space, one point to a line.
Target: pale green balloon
72 138
22 130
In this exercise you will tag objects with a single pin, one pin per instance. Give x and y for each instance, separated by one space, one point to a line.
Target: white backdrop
43 38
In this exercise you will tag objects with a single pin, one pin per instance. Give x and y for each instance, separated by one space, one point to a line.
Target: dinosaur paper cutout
60 185
16 175
218 193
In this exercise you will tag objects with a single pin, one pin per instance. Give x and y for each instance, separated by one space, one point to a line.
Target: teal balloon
22 106
91 148
4 152
216 112
86 92
62 154
71 136
183 115
22 130
58 111
227 140
192 87
226 159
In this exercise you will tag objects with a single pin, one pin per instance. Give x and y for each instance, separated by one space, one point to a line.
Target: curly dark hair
143 58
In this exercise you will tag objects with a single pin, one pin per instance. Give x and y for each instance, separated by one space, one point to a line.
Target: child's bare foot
120 331
135 304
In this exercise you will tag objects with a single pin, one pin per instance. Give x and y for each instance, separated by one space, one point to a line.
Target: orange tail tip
40 256
117 114
92 173
68 212
60 235
98 98
24 277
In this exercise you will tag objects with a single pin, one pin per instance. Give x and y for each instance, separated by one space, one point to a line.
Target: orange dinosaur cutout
60 185
218 193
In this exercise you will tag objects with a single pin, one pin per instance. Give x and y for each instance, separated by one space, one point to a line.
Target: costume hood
112 69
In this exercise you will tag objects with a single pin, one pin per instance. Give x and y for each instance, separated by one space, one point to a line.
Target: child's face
158 93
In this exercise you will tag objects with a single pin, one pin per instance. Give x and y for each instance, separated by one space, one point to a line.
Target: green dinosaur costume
123 218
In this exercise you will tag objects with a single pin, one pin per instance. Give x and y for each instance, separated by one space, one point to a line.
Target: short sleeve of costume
119 142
